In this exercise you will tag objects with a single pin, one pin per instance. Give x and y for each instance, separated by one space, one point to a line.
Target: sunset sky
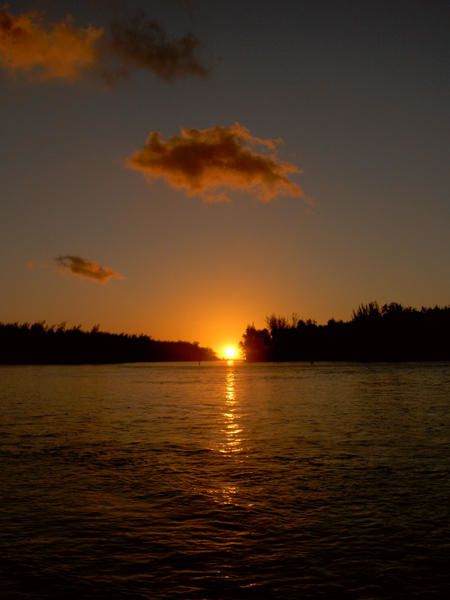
182 169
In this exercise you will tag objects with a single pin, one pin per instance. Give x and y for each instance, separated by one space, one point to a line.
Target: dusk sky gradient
359 94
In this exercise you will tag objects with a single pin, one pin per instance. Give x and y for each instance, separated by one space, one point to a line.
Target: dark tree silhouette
39 343
387 333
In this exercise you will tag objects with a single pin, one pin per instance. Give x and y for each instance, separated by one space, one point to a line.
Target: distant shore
388 333
38 343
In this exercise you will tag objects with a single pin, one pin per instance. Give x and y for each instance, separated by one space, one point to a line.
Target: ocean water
225 481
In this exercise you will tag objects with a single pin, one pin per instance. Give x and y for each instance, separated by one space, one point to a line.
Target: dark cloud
88 269
51 51
142 43
211 162
64 51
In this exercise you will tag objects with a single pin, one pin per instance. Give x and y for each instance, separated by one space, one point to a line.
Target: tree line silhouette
39 343
390 332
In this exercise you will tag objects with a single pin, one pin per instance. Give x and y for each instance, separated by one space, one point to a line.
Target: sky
185 168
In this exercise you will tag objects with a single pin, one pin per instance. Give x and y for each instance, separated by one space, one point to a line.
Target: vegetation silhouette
38 343
387 333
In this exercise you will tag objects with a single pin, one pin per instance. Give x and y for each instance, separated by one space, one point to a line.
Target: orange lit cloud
58 51
62 50
212 162
87 269
143 43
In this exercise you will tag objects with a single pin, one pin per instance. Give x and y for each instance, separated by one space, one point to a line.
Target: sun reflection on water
231 417
230 443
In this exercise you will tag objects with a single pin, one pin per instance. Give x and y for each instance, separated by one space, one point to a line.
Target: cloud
211 162
53 51
142 43
87 269
63 51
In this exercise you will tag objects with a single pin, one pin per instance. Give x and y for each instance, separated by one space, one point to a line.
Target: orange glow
231 352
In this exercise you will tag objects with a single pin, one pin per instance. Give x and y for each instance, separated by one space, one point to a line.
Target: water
225 481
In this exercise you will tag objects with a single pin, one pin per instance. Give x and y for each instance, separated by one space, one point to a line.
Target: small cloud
51 51
211 162
143 44
88 269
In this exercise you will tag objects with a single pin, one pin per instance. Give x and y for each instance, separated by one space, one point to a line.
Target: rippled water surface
225 481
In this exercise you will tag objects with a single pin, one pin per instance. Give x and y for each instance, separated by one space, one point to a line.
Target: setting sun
231 352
